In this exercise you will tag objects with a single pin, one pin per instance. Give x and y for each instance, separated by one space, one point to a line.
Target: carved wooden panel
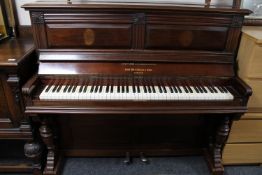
89 35
186 37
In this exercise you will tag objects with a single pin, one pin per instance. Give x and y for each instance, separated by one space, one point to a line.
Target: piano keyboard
134 92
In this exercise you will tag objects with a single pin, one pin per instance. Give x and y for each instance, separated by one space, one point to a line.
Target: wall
23 15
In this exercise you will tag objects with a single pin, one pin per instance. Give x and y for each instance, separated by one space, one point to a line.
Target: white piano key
43 93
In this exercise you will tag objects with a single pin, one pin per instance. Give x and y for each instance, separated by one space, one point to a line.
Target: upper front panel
137 30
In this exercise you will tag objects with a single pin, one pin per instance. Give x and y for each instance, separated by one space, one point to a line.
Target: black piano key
56 86
59 88
185 88
48 87
111 89
107 88
189 88
196 89
200 90
214 89
160 89
210 89
70 88
179 89
92 88
118 89
54 89
225 89
145 90
85 88
123 89
138 89
171 89
96 88
74 88
153 89
127 89
175 89
221 90
100 89
66 87
134 88
149 89
81 88
203 89
164 89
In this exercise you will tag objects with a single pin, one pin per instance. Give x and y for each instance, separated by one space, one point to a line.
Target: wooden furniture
17 64
129 52
244 143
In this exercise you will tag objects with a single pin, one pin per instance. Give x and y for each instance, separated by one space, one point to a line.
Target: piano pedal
143 158
128 159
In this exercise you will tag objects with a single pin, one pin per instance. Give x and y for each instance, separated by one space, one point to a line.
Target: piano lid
181 2
195 5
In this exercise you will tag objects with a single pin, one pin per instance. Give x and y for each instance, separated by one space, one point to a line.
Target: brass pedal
128 159
143 158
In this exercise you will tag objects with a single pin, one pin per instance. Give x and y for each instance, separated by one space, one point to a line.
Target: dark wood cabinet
17 64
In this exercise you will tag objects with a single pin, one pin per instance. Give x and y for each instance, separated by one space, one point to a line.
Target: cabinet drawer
251 115
255 101
242 153
250 58
246 131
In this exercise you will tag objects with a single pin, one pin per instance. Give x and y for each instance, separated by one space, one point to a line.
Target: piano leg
33 151
214 155
53 160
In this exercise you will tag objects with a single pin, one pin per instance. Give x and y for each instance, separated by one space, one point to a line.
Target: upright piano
135 78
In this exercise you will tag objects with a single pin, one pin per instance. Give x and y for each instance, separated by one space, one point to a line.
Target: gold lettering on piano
138 71
138 68
89 37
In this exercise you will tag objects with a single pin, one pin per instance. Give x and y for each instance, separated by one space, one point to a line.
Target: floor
156 166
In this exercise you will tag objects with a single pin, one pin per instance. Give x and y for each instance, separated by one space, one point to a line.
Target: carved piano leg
33 151
215 159
52 161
